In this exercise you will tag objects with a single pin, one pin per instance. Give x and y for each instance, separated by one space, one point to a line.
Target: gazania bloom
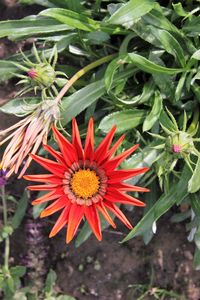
27 135
85 182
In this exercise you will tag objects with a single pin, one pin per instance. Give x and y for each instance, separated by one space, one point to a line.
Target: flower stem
80 73
5 220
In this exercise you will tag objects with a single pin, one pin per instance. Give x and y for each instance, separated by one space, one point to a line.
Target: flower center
85 183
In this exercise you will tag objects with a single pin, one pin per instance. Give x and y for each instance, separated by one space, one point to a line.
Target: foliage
148 87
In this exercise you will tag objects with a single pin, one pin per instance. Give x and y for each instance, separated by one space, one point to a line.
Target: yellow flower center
85 183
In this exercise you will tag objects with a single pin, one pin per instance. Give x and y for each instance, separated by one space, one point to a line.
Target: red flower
84 182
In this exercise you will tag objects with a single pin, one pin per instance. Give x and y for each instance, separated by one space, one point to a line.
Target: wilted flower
27 135
40 75
84 182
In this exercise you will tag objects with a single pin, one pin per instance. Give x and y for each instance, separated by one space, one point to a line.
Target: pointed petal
115 210
128 187
62 221
50 165
75 217
49 196
105 214
76 140
89 142
120 175
48 178
42 187
58 156
116 145
117 160
67 149
102 149
55 206
92 217
117 196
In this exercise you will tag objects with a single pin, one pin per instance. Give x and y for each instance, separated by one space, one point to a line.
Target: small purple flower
3 178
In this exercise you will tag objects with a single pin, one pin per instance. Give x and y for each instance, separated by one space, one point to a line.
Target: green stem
80 73
5 220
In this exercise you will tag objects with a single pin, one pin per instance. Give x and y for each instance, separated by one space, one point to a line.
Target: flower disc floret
85 183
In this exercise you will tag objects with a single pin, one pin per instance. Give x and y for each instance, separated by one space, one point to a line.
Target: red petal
75 216
54 153
106 215
76 140
67 149
50 165
102 149
120 175
49 196
117 196
42 187
92 217
116 145
116 161
54 207
128 187
89 142
48 178
115 210
61 222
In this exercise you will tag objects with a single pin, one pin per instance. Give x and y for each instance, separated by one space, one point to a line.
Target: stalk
5 220
80 73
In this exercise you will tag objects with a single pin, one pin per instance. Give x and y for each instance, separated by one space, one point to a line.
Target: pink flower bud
176 148
32 73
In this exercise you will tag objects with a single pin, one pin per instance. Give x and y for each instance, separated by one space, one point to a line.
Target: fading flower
27 135
84 182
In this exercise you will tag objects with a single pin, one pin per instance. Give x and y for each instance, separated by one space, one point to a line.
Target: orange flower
84 182
27 136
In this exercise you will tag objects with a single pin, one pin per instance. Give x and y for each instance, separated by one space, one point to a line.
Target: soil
106 270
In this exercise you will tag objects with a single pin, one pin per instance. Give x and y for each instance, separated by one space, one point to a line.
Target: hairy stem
81 73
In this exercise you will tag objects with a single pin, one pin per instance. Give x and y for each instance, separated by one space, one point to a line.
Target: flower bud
43 74
180 142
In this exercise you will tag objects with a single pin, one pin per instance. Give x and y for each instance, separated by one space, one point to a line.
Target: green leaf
72 19
195 204
20 211
30 26
194 183
196 261
76 103
6 70
18 271
170 44
176 193
179 9
18 106
131 12
80 100
150 67
50 281
166 121
196 55
192 27
125 120
154 113
110 72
